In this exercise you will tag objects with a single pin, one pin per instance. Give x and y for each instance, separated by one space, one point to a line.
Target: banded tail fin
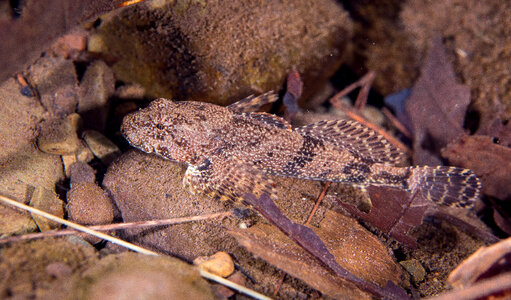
449 186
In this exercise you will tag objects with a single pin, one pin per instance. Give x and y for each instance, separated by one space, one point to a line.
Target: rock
130 91
137 276
219 263
89 204
68 161
46 200
415 269
32 269
58 136
223 291
55 80
147 187
196 54
101 146
71 44
82 155
81 172
58 270
96 87
392 37
22 165
15 222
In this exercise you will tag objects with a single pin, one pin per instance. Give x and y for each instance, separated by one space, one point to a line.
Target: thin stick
364 83
125 244
279 285
396 123
118 226
315 208
233 285
77 227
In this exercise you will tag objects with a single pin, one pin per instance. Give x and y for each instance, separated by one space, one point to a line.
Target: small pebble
219 263
58 136
27 91
84 154
48 201
89 204
96 87
101 146
81 172
68 161
130 91
415 268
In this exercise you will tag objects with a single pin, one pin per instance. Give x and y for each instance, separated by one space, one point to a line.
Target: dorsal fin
253 103
270 119
356 138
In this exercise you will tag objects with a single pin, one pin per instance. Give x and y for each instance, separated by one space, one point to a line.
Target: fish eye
159 126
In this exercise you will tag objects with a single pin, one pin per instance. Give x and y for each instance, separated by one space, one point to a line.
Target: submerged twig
318 201
314 209
119 226
399 126
364 83
135 248
101 235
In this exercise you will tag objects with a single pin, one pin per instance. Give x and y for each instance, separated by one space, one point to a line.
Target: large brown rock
221 51
23 167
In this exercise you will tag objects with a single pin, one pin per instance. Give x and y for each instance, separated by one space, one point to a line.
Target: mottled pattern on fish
231 150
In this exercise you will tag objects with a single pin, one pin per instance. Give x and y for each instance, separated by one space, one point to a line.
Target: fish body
230 151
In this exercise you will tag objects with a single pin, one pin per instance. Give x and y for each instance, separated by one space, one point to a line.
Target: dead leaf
436 107
294 88
268 243
490 162
353 247
308 240
393 212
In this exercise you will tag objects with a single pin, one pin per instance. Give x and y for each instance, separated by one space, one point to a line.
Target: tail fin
448 186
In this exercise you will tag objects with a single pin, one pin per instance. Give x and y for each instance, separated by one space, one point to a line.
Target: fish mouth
131 133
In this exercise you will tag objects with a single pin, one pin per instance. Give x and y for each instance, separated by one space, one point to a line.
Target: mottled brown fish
230 150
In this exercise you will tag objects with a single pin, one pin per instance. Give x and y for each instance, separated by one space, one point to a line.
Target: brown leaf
490 162
436 107
393 211
353 247
308 240
294 88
